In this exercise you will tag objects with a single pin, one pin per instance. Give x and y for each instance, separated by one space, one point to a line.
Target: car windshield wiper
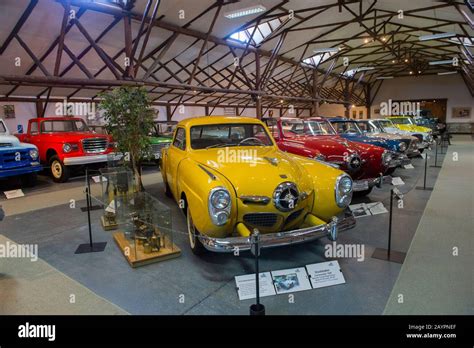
220 145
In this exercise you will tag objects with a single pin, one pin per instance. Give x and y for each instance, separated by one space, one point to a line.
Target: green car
161 138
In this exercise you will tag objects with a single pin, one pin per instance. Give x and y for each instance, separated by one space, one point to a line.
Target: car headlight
67 148
386 158
343 193
219 205
320 157
402 146
34 154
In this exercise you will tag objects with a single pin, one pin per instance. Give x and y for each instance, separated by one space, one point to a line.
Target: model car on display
17 159
374 129
317 139
229 177
64 142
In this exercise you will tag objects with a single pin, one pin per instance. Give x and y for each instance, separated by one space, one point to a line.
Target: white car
425 138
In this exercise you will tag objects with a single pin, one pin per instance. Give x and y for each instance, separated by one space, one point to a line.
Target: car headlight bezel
343 190
402 146
219 205
33 154
386 158
67 148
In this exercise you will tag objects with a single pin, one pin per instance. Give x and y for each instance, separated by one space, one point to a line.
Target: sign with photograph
9 111
291 280
325 274
14 194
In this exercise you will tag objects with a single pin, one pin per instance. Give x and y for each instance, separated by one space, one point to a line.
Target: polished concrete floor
206 284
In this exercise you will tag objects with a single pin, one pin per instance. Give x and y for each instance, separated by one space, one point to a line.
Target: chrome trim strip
263 200
80 160
212 176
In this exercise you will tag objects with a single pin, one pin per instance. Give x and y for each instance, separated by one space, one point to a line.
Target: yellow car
229 178
407 124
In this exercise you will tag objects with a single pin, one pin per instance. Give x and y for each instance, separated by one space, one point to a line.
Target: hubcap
56 169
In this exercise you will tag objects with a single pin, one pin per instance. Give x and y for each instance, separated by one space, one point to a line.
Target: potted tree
129 120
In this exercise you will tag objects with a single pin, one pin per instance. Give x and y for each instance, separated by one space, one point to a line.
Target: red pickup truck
64 142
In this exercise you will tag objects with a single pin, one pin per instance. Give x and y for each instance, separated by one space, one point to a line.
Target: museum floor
103 283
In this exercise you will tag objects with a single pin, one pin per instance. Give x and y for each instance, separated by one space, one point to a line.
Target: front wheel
196 246
59 171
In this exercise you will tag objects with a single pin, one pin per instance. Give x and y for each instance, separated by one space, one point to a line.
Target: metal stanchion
424 176
89 247
436 155
258 308
388 254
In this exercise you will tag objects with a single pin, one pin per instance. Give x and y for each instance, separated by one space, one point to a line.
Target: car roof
57 118
205 120
341 119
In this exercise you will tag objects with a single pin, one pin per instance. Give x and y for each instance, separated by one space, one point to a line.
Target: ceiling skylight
263 30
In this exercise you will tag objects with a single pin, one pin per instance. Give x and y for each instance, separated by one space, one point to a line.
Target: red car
64 142
316 138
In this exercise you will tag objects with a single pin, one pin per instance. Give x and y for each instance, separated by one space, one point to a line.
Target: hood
368 140
388 136
159 140
9 139
413 128
73 137
254 170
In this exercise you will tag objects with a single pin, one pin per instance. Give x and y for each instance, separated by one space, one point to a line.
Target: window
73 125
263 30
346 127
3 129
224 135
180 139
34 128
318 58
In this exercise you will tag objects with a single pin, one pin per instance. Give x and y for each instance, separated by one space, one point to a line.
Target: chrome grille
156 148
261 219
94 145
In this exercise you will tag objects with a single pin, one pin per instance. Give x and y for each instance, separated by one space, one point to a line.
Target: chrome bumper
342 222
81 160
360 185
400 160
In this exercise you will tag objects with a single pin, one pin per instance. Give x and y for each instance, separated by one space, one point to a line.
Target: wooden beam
18 25
61 38
32 55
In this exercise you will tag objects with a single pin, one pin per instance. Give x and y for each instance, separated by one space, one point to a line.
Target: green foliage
129 118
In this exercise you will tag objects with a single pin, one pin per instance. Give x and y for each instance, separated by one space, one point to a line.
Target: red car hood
73 137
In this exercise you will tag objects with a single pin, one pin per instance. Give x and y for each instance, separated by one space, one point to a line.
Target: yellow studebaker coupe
230 179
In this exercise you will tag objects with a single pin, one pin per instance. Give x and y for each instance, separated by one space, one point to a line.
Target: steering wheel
251 138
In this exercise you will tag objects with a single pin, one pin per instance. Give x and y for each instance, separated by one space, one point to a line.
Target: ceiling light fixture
364 68
244 12
327 50
441 62
447 73
384 78
411 72
436 36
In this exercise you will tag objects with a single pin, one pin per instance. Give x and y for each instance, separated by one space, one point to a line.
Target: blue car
350 130
17 159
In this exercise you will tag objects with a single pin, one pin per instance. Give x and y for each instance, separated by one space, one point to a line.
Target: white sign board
408 166
246 285
325 274
14 194
97 179
291 280
397 181
377 208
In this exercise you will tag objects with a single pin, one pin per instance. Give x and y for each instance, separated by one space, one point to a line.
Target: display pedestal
106 225
135 255
394 256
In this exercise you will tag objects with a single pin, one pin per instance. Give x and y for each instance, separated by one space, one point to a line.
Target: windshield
224 135
401 120
64 126
164 130
313 128
3 129
347 127
382 124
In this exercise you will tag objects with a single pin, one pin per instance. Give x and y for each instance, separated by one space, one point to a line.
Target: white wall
449 87
331 110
